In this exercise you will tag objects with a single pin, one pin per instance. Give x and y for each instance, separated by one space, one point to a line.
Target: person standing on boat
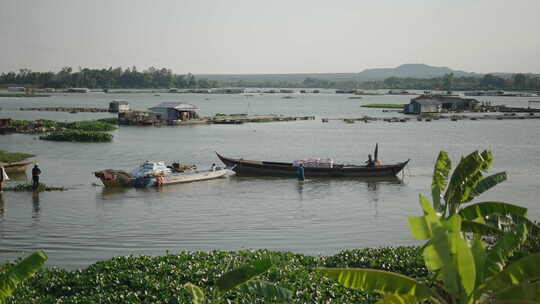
300 172
35 177
213 167
3 177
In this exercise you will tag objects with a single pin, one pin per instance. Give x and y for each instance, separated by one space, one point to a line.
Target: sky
270 37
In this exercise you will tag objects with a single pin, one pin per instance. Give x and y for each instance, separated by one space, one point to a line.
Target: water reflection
35 205
1 205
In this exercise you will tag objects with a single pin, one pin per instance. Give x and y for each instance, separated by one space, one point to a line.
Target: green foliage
78 136
28 188
13 156
241 275
110 120
462 270
15 274
162 279
101 125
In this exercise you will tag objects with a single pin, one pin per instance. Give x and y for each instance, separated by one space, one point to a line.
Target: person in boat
370 162
3 177
35 177
214 167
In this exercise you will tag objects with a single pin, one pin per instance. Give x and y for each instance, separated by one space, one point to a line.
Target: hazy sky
272 36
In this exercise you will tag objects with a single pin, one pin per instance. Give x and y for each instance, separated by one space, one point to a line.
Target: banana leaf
499 254
483 209
372 280
523 293
465 178
268 291
20 272
523 271
242 274
479 228
196 292
392 298
443 165
487 183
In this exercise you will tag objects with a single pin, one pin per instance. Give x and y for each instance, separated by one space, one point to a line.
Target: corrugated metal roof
176 106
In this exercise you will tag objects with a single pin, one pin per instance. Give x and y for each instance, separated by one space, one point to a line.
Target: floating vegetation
111 120
7 157
145 279
384 105
78 136
22 95
30 188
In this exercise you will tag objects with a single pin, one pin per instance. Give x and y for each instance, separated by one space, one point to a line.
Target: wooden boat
266 168
188 176
115 178
14 167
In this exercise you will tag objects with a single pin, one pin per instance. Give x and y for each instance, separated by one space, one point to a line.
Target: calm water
321 216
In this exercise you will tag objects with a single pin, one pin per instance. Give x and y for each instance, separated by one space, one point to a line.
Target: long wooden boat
268 168
16 167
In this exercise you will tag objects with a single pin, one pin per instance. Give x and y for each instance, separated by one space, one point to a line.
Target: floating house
440 103
175 111
138 118
117 106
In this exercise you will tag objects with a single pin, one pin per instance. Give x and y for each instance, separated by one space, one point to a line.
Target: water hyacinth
78 136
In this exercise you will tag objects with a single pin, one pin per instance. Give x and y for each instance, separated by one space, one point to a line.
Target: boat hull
16 167
262 168
178 178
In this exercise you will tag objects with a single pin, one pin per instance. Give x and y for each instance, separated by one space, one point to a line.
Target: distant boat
15 167
325 169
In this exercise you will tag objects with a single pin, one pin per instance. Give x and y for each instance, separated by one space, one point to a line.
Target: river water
88 223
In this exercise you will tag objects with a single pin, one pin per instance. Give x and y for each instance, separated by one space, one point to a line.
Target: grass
384 105
78 136
13 156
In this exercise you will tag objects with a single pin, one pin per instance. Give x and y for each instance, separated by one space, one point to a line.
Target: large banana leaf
465 178
524 293
498 255
372 280
242 274
268 291
479 228
487 183
420 226
196 292
392 298
443 165
20 272
483 209
449 254
523 271
478 249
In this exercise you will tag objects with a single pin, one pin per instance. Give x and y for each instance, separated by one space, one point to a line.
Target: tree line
164 78
105 78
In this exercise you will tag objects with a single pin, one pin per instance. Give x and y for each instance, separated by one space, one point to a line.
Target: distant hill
405 70
411 70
